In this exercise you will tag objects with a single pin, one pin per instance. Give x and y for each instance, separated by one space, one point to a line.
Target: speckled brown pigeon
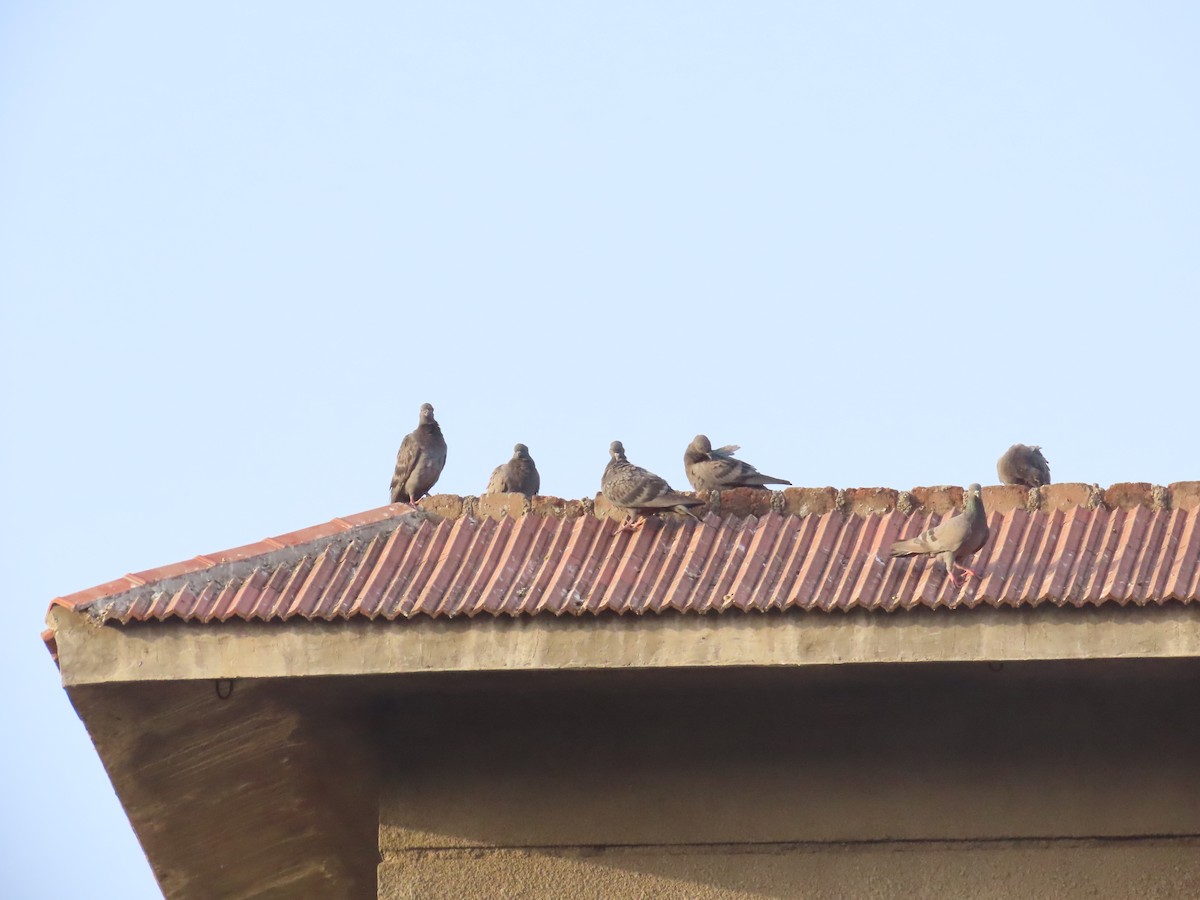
517 476
954 539
1023 465
717 470
420 461
640 492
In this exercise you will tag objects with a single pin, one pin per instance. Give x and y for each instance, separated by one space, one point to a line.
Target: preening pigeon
717 470
420 460
632 488
517 476
1023 465
954 539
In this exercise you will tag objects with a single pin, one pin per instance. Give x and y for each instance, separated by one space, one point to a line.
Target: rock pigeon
420 460
1023 465
517 476
717 470
632 488
954 539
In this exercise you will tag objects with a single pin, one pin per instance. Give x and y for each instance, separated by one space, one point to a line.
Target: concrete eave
163 651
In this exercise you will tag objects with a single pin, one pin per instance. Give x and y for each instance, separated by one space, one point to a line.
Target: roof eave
91 654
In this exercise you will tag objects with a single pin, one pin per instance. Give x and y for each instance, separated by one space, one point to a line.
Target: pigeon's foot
631 524
970 572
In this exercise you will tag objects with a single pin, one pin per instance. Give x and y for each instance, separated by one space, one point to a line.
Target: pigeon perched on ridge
420 460
517 476
1023 465
954 539
717 470
640 492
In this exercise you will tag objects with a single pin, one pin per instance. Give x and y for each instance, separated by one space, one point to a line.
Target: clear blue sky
872 243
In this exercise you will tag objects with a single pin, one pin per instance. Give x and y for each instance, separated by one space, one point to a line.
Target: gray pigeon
1024 466
517 476
420 460
716 470
632 488
954 539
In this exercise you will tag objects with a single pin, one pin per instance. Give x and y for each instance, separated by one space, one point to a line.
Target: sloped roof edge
808 548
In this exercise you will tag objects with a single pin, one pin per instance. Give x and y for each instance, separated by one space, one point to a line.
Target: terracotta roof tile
808 549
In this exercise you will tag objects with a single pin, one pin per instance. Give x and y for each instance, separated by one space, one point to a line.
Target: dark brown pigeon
954 539
716 470
632 488
517 476
1024 466
420 460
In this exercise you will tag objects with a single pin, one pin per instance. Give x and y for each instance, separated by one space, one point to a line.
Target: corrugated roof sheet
809 549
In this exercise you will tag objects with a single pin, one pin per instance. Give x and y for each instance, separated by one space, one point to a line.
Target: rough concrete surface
1052 870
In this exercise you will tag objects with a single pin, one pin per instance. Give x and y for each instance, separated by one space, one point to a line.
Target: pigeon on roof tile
717 470
1023 465
954 539
517 476
640 492
420 460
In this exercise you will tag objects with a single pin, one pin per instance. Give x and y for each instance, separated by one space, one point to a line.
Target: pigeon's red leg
631 523
970 572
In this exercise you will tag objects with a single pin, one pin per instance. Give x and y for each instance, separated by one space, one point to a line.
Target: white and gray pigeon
517 476
420 461
954 539
640 492
1023 465
717 470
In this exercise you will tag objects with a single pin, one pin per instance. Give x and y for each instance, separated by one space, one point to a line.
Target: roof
815 549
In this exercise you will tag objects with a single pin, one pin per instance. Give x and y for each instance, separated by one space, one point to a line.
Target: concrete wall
1037 780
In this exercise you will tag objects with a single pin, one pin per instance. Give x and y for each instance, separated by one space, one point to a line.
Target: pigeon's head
974 489
520 451
616 450
427 414
701 444
973 498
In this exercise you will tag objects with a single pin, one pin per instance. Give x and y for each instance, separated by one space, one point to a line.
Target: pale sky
240 244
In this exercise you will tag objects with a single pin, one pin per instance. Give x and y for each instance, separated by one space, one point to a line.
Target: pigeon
954 539
517 476
632 488
1024 466
717 470
420 460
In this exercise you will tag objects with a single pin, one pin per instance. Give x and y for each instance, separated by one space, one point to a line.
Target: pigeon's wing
498 483
406 462
633 487
727 451
1038 461
531 483
726 472
948 536
431 458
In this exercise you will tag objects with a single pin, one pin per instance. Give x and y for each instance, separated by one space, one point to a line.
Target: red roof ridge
326 542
